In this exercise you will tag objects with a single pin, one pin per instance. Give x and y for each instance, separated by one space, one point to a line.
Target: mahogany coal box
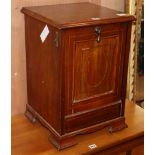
77 61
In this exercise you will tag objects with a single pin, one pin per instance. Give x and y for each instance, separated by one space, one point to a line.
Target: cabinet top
76 15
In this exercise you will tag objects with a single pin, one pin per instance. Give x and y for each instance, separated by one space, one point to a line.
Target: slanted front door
96 67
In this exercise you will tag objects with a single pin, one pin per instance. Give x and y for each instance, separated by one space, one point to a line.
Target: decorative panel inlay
95 70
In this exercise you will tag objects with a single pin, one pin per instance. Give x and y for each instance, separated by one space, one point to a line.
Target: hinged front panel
95 67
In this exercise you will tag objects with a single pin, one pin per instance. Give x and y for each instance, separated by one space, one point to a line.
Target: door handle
98 33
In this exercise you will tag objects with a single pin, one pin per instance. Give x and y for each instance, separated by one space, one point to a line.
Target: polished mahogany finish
76 78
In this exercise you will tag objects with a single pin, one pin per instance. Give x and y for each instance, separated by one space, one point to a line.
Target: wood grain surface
31 139
74 15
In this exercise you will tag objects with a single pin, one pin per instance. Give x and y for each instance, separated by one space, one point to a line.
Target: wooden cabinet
76 76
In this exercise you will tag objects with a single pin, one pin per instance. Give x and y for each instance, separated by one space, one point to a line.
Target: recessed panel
95 68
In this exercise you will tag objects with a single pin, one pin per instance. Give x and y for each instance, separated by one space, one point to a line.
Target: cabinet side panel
125 66
43 72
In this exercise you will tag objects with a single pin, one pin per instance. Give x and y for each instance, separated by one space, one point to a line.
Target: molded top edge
72 15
